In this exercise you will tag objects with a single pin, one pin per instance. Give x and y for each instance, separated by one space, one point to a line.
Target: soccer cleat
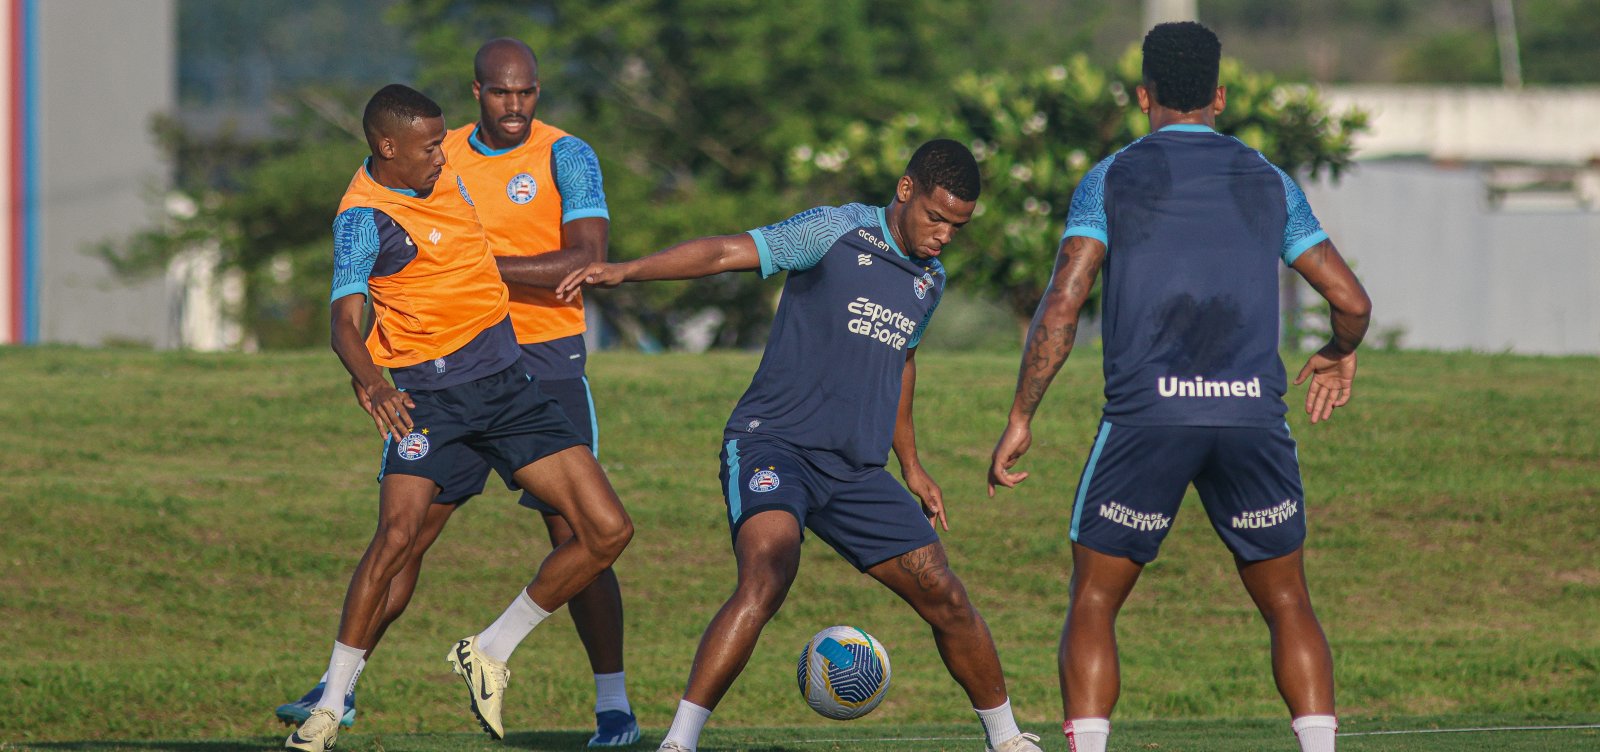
486 680
614 728
317 734
296 713
1018 743
672 746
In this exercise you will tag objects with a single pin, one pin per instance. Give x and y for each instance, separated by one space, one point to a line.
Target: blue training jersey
852 306
1195 225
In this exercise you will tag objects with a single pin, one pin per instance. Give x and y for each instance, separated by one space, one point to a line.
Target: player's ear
1143 93
477 91
1220 101
904 189
387 148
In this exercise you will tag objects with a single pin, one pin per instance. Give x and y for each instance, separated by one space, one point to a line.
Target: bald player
539 195
408 238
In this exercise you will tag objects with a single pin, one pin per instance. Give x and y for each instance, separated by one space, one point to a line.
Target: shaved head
496 56
394 108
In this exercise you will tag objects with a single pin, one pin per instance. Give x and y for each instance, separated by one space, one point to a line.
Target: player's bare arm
1332 369
1050 340
905 448
693 259
583 242
387 406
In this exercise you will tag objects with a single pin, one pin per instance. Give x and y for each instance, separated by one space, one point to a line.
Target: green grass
179 530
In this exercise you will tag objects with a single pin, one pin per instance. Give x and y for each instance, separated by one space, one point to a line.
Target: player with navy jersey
541 201
407 238
1191 227
807 444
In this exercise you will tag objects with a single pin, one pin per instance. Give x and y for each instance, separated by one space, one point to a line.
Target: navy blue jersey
1195 225
852 306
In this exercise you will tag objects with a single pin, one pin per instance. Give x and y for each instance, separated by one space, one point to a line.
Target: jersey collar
883 223
366 166
480 147
1188 128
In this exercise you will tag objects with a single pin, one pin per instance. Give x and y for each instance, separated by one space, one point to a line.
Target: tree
1037 133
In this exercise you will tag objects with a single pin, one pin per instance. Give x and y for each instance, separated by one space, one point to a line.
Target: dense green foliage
180 530
702 113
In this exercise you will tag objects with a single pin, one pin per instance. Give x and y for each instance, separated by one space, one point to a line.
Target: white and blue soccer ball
843 673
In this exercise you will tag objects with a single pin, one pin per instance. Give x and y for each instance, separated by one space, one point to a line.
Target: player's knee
945 600
761 596
610 538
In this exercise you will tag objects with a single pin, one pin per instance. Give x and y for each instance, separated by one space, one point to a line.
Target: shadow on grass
552 741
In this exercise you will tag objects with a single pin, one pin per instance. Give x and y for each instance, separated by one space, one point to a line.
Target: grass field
179 530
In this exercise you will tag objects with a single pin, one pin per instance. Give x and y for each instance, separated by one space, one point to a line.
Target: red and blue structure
22 144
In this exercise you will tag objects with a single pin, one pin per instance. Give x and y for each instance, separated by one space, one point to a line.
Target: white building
1473 216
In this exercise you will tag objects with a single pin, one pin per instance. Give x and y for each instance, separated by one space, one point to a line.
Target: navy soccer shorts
502 422
1248 479
868 521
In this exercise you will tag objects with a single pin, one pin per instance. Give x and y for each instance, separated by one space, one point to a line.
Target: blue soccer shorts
1136 476
869 520
472 473
501 422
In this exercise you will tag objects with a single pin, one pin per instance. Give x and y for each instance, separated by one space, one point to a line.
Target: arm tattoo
1055 323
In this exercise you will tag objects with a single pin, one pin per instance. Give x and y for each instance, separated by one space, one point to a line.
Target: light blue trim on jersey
735 508
594 421
1301 230
799 242
482 148
383 459
764 252
888 237
355 251
1188 128
1088 477
578 179
366 165
585 214
1087 215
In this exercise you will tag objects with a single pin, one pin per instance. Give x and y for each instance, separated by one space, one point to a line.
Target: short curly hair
947 164
1180 65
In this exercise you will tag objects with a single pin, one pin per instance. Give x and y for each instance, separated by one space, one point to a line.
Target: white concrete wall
1451 272
105 68
1476 124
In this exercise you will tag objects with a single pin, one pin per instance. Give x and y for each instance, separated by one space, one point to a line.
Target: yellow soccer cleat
486 680
317 734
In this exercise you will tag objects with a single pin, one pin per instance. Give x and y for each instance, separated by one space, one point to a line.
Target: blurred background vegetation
715 116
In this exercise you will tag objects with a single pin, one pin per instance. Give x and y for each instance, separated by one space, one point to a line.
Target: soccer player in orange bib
540 198
408 237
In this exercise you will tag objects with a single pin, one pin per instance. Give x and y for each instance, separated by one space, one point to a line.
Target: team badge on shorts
763 481
921 284
413 447
522 189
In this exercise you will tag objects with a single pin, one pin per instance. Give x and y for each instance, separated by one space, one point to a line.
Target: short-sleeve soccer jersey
1196 225
852 305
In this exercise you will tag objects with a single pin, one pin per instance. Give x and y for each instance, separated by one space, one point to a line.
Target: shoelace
1024 735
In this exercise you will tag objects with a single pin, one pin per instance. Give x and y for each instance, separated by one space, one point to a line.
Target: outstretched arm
1050 340
583 242
701 257
1332 369
905 447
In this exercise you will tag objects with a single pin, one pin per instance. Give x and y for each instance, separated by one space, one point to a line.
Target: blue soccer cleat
296 713
614 728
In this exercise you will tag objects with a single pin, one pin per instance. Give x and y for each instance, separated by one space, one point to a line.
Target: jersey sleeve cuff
598 211
354 288
1087 232
1291 255
768 267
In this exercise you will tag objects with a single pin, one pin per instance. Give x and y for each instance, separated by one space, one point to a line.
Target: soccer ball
843 673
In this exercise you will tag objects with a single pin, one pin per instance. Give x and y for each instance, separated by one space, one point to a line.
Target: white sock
342 669
508 631
998 723
686 725
324 679
1315 732
611 692
1087 734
